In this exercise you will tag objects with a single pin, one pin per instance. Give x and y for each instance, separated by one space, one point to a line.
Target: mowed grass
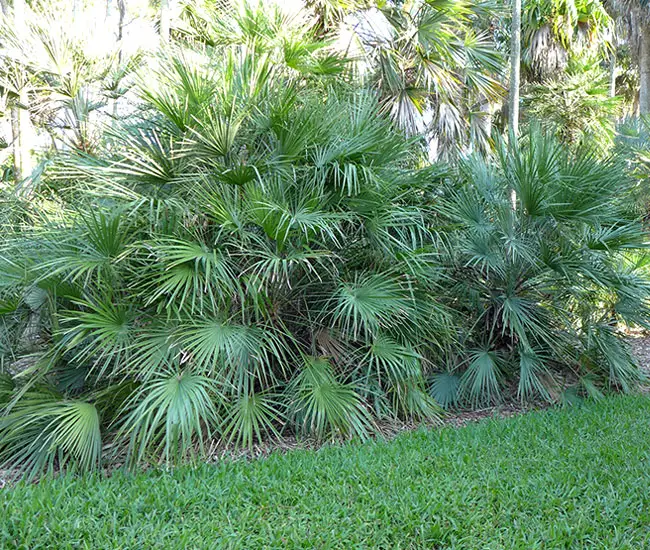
570 478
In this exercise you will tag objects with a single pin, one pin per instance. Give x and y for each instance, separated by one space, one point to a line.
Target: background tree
634 16
515 67
577 107
18 88
568 55
436 73
559 31
62 80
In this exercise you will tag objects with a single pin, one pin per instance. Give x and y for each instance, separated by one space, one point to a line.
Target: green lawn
577 478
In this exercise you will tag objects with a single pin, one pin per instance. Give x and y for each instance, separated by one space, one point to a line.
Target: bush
257 251
543 258
250 264
577 107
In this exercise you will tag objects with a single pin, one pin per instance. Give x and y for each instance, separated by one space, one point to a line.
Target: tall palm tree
434 71
22 128
59 91
635 18
557 30
515 67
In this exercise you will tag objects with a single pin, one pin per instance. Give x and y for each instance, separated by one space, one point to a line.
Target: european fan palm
577 107
245 257
543 286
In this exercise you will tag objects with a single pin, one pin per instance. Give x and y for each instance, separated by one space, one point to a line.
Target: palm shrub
244 258
546 257
258 251
632 144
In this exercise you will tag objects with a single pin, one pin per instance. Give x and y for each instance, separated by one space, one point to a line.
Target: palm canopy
435 72
559 31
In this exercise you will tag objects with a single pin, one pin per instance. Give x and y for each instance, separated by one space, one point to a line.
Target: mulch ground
640 345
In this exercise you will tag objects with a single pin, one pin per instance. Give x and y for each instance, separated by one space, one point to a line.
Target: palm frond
172 414
43 432
323 406
252 417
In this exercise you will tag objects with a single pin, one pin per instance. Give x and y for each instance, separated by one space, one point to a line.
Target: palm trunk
515 77
121 6
22 129
15 125
612 75
15 138
165 20
644 69
515 67
25 135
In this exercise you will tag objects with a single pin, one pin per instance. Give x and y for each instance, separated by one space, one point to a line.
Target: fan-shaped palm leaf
324 406
171 413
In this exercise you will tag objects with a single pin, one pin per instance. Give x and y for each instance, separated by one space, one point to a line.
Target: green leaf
169 415
323 406
251 417
481 382
42 431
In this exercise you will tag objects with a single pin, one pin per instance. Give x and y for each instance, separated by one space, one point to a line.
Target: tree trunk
15 128
644 69
515 67
612 75
121 6
20 119
15 137
165 20
25 135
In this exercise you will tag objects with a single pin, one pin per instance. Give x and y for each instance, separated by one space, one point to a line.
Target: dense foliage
253 258
253 245
544 268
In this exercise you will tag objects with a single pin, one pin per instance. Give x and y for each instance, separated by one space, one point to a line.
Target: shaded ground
641 349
